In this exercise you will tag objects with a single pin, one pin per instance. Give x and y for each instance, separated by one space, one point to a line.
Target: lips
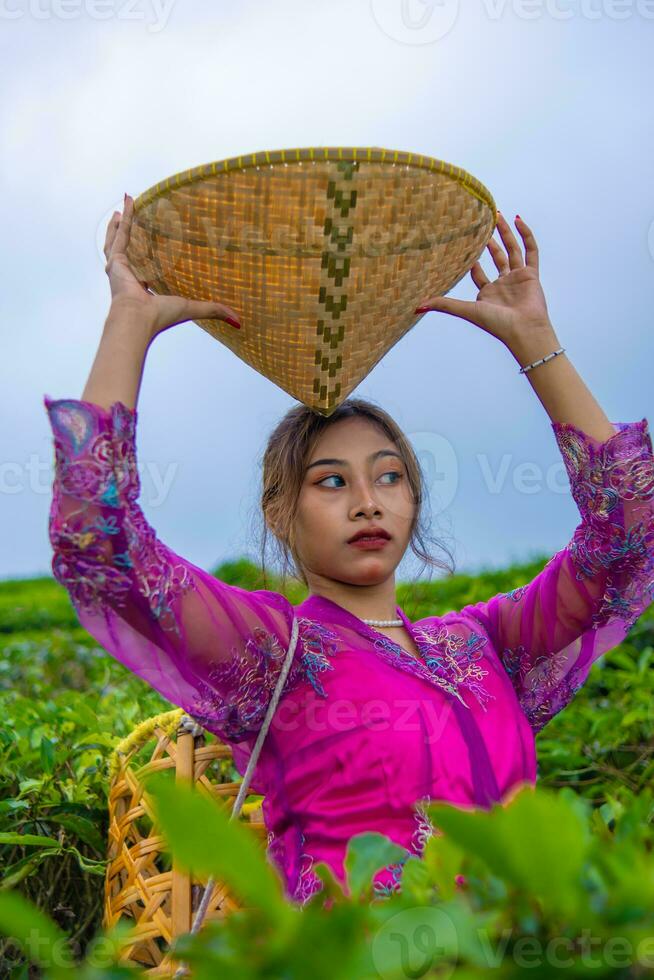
370 533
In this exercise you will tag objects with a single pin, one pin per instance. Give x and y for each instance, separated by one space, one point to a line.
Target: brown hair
285 459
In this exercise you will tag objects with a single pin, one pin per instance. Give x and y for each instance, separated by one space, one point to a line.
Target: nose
368 509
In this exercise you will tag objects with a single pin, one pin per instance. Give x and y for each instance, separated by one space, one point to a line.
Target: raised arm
212 648
548 632
135 318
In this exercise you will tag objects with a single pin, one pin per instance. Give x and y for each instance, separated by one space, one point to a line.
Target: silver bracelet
548 357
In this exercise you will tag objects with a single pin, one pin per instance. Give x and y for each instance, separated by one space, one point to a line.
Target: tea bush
574 855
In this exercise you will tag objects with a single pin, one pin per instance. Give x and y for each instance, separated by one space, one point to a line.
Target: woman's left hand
511 306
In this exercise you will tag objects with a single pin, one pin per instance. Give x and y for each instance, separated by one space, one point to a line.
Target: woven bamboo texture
324 252
140 884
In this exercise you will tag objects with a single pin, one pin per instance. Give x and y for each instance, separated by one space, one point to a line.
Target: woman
378 713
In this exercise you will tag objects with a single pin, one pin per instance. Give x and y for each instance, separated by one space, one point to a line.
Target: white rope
242 793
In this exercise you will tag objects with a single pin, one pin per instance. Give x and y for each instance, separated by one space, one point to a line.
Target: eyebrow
344 462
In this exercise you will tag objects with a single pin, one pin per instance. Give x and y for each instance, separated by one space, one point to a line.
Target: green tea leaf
26 866
47 754
81 827
366 854
206 842
538 841
27 840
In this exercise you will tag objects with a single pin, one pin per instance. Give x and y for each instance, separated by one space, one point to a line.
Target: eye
336 476
393 473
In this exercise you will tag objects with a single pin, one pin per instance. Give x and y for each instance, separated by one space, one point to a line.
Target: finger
531 248
112 228
500 257
516 260
478 276
198 309
457 307
121 239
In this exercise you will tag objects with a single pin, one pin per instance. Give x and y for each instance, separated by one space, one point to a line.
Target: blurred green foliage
575 854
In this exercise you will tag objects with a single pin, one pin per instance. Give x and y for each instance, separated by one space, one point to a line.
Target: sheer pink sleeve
550 631
213 649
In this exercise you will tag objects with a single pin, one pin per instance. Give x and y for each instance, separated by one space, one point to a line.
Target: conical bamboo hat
324 252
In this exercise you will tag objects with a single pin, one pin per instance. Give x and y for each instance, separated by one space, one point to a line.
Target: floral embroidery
547 671
612 484
159 578
513 661
628 557
86 562
238 690
308 882
235 696
394 654
458 658
449 660
72 423
516 594
539 709
81 429
424 830
102 561
542 686
542 673
604 480
318 644
80 566
424 827
392 887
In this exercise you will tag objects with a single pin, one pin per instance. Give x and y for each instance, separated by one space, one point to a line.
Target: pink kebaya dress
364 732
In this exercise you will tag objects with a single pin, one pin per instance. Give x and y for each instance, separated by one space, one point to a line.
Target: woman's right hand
160 312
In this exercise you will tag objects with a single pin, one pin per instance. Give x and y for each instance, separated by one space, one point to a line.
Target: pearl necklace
382 622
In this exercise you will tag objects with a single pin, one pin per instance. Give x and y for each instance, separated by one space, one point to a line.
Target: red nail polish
233 322
422 309
518 216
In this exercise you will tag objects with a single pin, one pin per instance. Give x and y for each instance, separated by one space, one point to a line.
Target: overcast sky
548 103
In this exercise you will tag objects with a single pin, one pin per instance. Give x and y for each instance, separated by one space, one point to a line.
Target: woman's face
337 499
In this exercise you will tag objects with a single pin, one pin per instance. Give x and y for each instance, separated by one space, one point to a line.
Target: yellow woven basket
140 883
324 252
